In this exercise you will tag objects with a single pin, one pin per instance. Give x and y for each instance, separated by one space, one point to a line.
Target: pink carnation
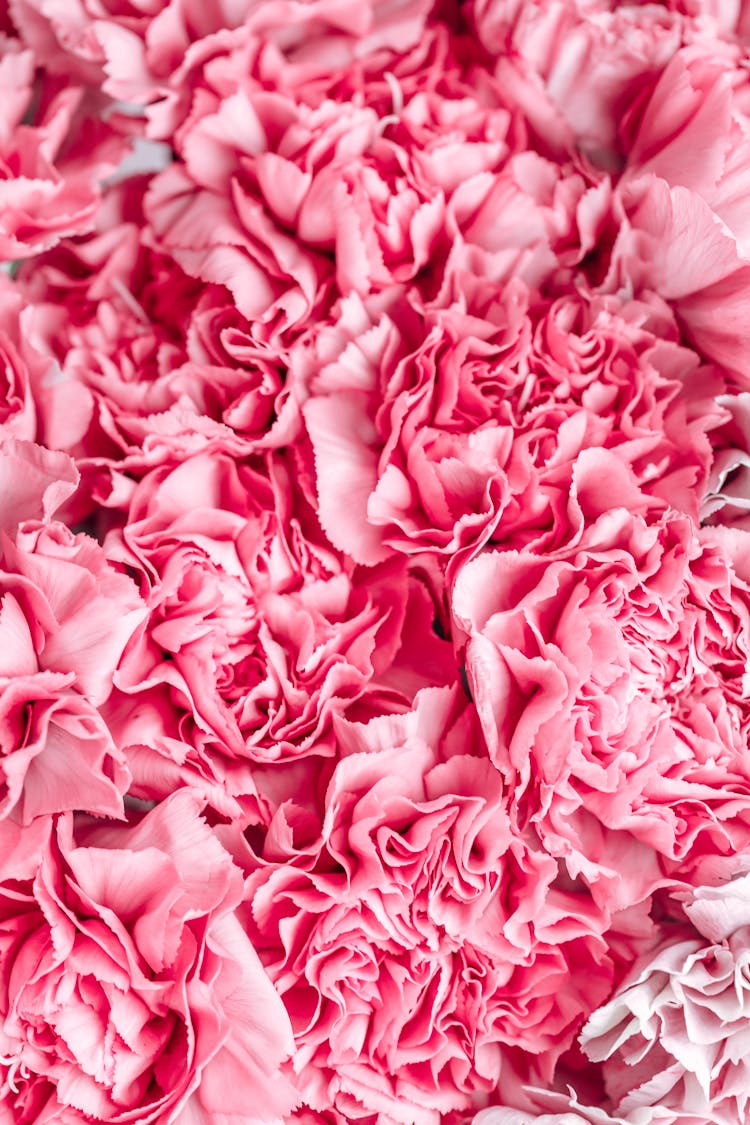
226 238
610 678
142 55
561 1111
671 243
50 170
443 429
575 68
727 499
416 940
640 91
258 632
683 232
698 104
369 183
22 369
129 336
65 617
128 988
394 728
330 191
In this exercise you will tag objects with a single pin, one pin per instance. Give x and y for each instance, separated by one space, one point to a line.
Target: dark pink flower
139 351
445 428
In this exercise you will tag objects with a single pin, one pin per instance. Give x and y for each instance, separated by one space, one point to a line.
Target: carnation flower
639 91
50 169
698 104
142 55
670 242
676 1034
413 449
727 498
575 67
22 368
315 191
129 337
65 617
681 229
129 990
610 678
562 1111
258 632
443 429
375 607
415 939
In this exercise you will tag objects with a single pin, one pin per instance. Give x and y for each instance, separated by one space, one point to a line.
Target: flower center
15 1067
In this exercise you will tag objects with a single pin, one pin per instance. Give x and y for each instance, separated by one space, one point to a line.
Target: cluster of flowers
375 562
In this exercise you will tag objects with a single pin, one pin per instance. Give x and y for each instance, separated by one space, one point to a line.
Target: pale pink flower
561 1109
697 105
575 67
575 1115
34 483
675 1035
727 498
684 231
672 243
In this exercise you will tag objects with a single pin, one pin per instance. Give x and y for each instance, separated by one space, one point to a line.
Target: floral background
374 562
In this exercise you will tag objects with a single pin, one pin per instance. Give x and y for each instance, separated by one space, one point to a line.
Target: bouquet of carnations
374 562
